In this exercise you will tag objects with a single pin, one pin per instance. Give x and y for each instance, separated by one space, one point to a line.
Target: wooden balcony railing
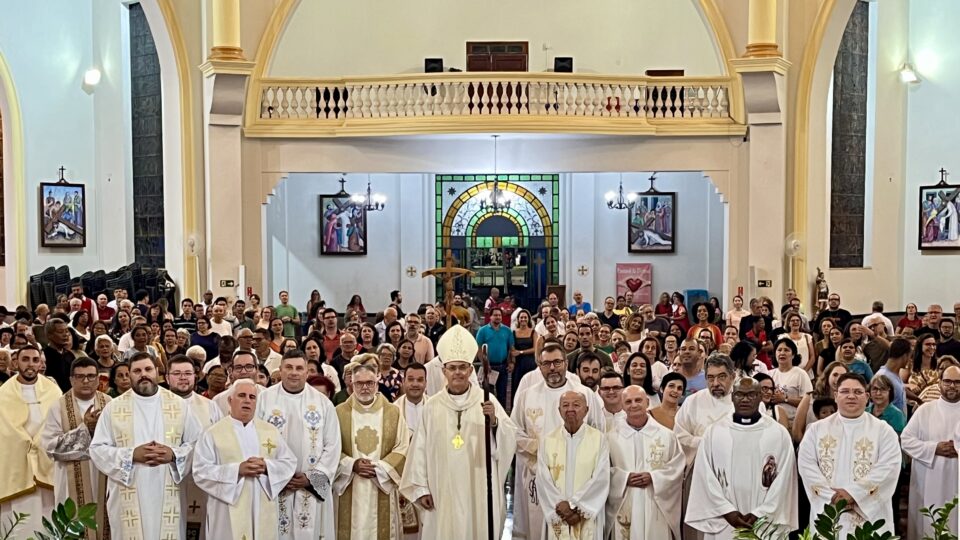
471 102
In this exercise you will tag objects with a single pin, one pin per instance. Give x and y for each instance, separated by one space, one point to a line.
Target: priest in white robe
646 479
445 473
536 413
929 439
242 463
410 405
745 471
26 485
574 475
143 443
698 412
610 391
374 440
851 456
308 422
66 438
182 379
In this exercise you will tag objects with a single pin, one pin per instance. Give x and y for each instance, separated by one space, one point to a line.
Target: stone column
762 30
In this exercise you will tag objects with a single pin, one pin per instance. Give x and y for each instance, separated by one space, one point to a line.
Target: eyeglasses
364 384
611 388
553 363
950 382
180 374
86 378
249 368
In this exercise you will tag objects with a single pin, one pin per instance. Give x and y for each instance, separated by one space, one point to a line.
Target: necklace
457 441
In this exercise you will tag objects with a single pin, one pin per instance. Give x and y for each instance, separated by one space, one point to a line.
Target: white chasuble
26 485
860 455
308 422
576 469
654 511
749 469
446 461
66 440
369 509
145 502
207 414
237 507
410 412
933 478
535 413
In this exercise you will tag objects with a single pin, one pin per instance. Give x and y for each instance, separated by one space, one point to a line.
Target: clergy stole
122 424
241 513
588 452
367 442
27 466
80 485
408 511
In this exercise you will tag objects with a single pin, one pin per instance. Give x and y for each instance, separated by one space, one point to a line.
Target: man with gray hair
700 411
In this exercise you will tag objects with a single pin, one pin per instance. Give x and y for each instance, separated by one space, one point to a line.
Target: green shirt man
288 314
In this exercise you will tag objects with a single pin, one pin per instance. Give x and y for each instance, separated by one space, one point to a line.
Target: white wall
930 277
373 37
48 46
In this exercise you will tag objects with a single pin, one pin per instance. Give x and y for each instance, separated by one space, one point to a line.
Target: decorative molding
13 135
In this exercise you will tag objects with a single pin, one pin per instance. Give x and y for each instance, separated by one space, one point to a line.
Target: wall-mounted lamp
91 77
908 74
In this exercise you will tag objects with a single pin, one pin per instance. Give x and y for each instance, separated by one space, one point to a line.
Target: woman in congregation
922 373
97 329
120 325
823 336
314 302
663 308
678 314
405 352
524 348
570 342
789 377
552 332
703 313
829 353
639 372
745 363
390 379
911 320
119 380
672 387
650 347
206 338
881 398
736 313
313 352
825 387
772 400
369 338
793 323
394 333
633 329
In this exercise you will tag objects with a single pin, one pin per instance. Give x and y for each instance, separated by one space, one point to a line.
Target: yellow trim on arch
188 157
723 40
265 49
473 191
15 136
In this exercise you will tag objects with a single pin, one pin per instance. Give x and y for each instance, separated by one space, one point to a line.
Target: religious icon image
63 214
652 222
344 225
939 226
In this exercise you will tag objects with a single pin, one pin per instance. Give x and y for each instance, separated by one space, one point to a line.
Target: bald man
647 474
573 475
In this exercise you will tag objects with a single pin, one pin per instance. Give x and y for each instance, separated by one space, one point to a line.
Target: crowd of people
624 421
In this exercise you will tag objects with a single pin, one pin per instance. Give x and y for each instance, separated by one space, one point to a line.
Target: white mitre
457 344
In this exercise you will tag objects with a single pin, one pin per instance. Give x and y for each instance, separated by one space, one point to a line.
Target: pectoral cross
449 273
457 441
269 446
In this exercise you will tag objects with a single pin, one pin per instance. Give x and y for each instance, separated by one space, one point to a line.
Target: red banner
638 278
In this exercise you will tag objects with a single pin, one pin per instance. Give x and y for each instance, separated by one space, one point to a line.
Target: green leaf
70 507
87 510
49 526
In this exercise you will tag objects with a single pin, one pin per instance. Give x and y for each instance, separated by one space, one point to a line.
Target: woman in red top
663 307
679 312
704 313
758 337
910 320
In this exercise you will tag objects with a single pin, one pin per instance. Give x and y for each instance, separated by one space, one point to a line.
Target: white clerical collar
578 434
851 421
150 399
240 424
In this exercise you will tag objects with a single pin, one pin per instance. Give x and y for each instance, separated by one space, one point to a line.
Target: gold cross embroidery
170 516
170 411
121 414
172 435
173 490
130 518
864 448
269 446
127 494
555 469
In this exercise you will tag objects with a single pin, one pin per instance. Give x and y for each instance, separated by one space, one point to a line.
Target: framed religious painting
343 224
939 217
652 223
63 215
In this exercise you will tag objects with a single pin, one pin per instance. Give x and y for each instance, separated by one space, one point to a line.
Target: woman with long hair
745 363
663 308
910 320
570 342
672 387
923 370
369 338
120 325
355 306
803 341
80 324
639 372
678 313
208 340
650 347
829 353
312 303
552 327
394 333
824 387
524 349
405 352
119 380
737 312
313 352
276 327
789 377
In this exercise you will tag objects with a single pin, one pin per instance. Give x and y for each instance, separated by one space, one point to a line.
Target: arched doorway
515 249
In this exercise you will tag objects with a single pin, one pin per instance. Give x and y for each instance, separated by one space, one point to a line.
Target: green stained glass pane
524 177
536 177
513 178
456 178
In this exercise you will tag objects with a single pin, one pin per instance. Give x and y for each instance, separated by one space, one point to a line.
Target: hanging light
371 202
616 199
498 199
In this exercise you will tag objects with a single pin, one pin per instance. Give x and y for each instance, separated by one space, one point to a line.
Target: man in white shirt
411 408
218 324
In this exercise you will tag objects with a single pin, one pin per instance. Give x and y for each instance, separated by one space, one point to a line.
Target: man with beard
374 446
574 474
66 439
588 369
656 327
700 411
308 422
242 463
745 471
446 455
690 356
587 344
143 443
929 439
410 405
646 475
536 413
25 401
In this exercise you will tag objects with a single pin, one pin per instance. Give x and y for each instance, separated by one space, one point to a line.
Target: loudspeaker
433 65
563 64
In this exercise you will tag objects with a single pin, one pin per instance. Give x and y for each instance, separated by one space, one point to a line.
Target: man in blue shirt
579 305
499 344
898 358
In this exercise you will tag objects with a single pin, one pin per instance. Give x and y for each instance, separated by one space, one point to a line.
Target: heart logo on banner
634 284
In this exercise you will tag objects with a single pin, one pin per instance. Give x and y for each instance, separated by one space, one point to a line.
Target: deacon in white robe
745 471
536 413
853 456
242 463
143 443
445 473
646 474
374 443
26 485
698 412
574 475
929 439
308 422
66 440
410 405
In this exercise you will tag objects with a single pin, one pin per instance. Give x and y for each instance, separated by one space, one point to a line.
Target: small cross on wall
411 271
583 270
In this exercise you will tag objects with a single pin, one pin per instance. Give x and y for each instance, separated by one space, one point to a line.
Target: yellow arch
282 13
468 194
14 123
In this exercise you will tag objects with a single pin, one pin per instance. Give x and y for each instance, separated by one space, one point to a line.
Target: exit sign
227 283
765 283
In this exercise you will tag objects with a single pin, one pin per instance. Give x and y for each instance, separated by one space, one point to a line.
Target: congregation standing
236 420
